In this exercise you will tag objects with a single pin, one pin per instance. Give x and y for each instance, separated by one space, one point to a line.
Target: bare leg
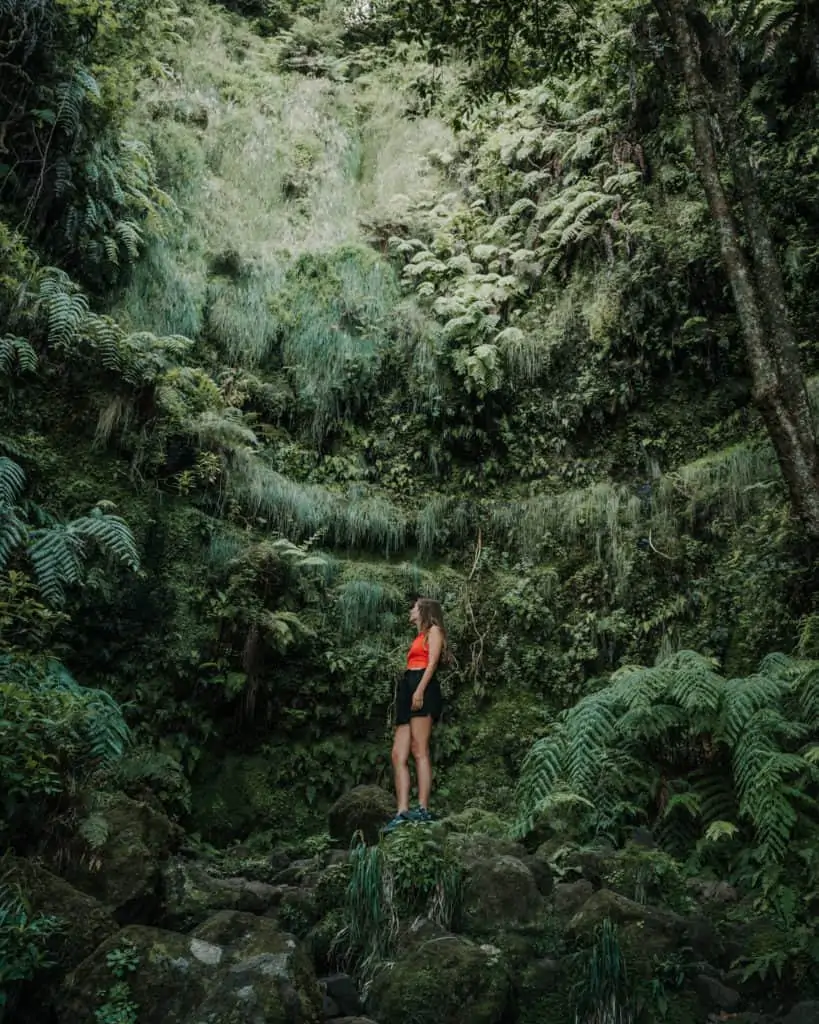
420 731
400 757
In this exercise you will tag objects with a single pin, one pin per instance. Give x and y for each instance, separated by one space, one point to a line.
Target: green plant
410 873
678 739
55 735
23 942
603 992
57 550
119 1006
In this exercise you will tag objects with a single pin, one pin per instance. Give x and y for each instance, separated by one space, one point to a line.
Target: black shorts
433 701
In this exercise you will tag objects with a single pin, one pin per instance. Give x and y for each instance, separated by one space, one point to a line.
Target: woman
418 705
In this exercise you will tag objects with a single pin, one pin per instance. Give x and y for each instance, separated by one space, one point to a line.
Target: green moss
444 981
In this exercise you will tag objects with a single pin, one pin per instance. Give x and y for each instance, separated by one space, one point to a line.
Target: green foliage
410 873
677 744
603 994
57 551
55 736
23 942
119 1006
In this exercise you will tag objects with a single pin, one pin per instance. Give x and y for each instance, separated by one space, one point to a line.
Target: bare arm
435 642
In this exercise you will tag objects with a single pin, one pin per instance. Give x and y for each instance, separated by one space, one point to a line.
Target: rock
234 968
468 847
590 863
363 809
570 896
714 995
128 878
498 894
297 911
417 932
87 921
712 892
300 872
331 888
544 991
191 895
341 989
647 930
803 1013
329 1008
448 979
353 1020
541 872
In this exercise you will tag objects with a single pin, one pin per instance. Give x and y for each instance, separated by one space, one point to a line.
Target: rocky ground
167 934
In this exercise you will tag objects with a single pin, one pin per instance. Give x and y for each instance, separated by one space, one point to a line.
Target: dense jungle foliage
308 308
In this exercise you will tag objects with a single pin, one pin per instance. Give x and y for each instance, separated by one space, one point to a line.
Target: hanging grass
354 520
731 481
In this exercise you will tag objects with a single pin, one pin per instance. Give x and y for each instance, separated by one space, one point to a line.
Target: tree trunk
773 356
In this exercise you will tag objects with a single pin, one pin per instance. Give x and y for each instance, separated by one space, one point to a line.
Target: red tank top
418 656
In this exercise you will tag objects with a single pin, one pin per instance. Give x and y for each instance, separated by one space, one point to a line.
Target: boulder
569 897
645 930
804 1013
469 847
341 989
363 809
126 874
448 979
191 895
296 911
86 922
714 995
499 894
235 968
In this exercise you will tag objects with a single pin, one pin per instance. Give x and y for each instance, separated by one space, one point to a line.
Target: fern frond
110 533
16 354
94 830
12 481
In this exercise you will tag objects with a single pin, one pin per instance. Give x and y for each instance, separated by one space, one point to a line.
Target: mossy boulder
85 921
127 874
191 894
363 809
645 931
499 894
448 980
235 969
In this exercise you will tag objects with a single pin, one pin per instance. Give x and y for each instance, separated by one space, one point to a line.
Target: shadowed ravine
311 309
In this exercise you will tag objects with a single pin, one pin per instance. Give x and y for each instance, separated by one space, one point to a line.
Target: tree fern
744 735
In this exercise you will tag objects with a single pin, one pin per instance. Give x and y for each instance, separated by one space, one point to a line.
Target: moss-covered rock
363 809
499 893
234 969
544 990
85 921
447 980
191 894
127 874
297 911
645 931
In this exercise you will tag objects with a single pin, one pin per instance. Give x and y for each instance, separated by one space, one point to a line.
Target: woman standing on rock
418 705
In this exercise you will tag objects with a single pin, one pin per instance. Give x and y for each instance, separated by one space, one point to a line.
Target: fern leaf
110 533
12 481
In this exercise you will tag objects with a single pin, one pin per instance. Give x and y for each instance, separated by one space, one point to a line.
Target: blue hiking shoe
421 814
399 819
